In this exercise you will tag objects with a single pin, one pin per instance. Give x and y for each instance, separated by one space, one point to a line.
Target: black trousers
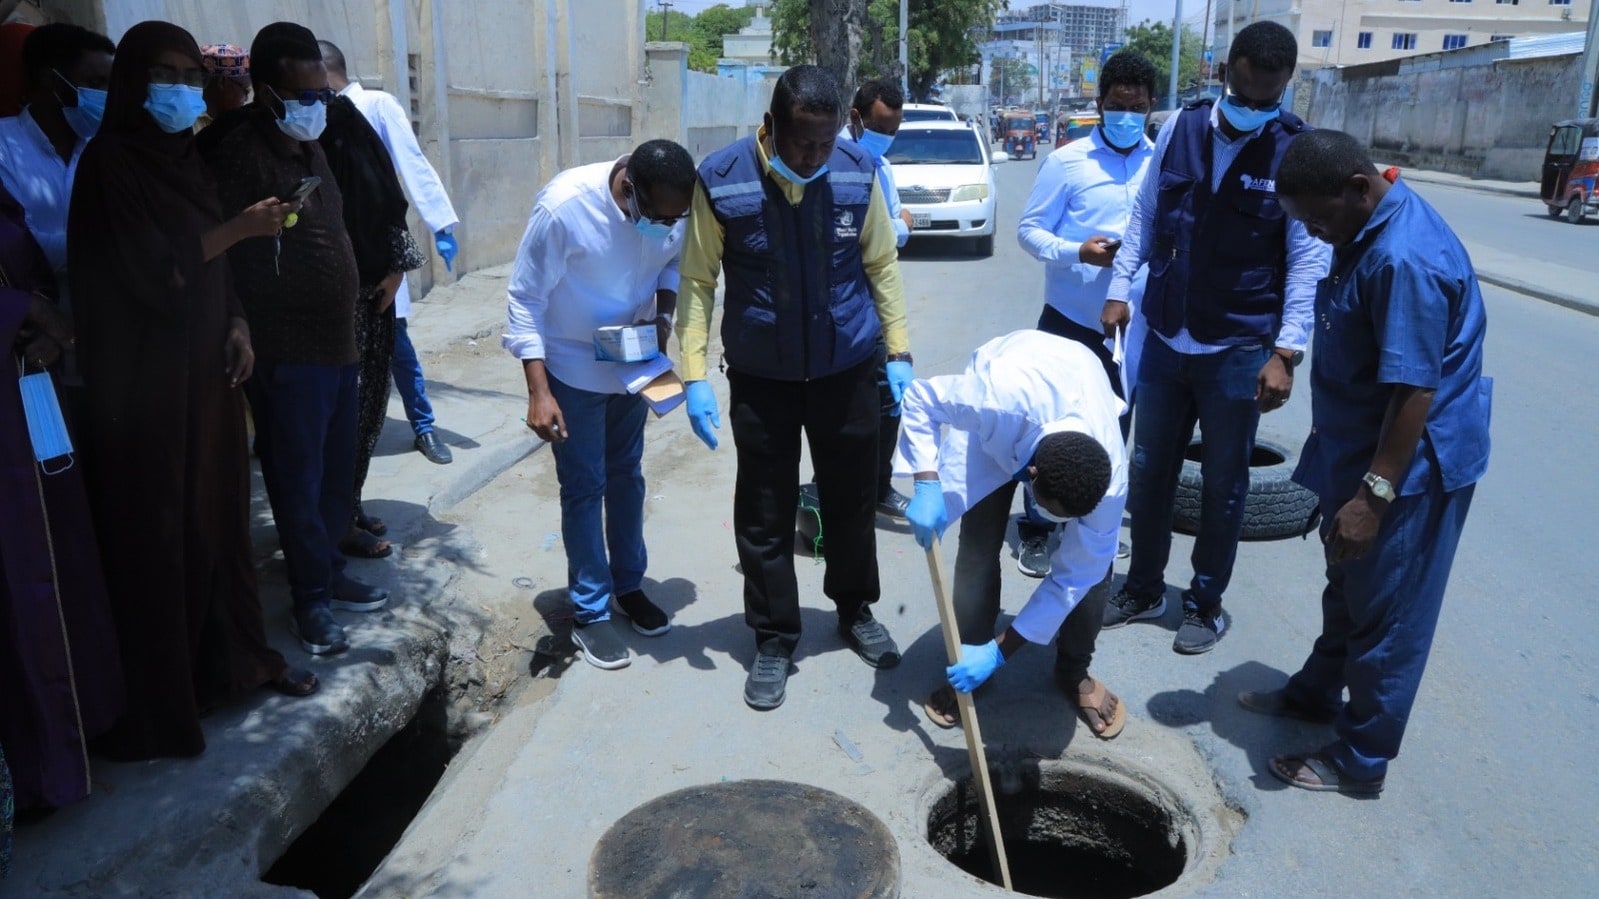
977 580
839 415
888 425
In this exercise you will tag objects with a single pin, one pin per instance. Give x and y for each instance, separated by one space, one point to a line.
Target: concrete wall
700 111
1488 118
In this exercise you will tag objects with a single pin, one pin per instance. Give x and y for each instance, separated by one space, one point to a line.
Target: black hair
59 46
333 57
867 95
661 165
1268 46
805 88
1073 471
1320 163
1131 69
277 44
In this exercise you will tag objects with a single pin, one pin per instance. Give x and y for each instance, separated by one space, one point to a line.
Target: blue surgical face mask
302 122
1043 512
85 117
652 230
175 107
875 143
1123 130
1245 119
47 430
781 167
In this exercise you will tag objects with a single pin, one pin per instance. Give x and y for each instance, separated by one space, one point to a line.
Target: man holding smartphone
1078 210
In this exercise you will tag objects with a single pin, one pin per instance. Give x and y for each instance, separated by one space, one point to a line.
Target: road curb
1527 288
508 447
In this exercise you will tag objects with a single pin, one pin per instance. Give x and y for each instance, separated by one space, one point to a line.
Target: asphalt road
1493 790
1515 225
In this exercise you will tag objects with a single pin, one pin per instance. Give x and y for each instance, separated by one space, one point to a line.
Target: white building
1352 32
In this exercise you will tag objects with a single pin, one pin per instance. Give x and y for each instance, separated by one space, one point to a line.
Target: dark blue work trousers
305 438
1378 617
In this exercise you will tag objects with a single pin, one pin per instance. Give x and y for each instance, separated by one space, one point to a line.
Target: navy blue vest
1219 260
798 305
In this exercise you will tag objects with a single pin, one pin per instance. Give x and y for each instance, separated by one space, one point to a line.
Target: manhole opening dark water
1259 457
342 848
1068 835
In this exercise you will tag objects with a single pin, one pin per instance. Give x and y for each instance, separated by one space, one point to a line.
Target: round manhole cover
751 838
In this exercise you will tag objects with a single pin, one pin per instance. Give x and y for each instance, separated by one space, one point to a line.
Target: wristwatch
898 357
1291 358
1379 487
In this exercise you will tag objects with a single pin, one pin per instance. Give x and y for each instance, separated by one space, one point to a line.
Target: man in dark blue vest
796 221
1229 301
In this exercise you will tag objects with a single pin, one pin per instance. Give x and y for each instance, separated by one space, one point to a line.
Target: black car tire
1275 508
1575 212
985 246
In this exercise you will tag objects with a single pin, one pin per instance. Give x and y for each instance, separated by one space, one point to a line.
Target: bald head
333 58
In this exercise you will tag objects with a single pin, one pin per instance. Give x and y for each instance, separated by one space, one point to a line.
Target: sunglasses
171 77
306 98
1241 103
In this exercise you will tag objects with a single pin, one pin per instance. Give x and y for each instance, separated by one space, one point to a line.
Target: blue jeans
1174 391
407 371
598 467
305 437
1378 615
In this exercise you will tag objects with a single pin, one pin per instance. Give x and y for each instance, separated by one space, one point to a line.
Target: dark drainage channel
341 849
1072 836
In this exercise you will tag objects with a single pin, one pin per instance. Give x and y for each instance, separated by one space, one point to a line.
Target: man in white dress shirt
67 70
601 249
1036 408
393 125
1073 223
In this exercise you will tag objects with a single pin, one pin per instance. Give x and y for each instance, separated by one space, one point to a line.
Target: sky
1137 10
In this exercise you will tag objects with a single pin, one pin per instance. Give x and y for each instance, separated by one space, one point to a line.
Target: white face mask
1039 507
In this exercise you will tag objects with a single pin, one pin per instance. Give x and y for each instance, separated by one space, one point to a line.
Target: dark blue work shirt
1400 306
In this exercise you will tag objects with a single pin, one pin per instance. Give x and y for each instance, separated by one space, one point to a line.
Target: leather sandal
1088 710
296 682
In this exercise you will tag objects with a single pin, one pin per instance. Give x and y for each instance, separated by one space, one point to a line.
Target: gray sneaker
1124 608
1033 558
1201 630
767 686
601 647
871 642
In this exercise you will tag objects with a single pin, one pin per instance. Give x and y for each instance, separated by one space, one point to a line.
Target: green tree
1152 40
716 22
686 29
1016 78
940 36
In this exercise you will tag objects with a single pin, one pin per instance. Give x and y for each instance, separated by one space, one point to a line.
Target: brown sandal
1088 710
296 682
937 715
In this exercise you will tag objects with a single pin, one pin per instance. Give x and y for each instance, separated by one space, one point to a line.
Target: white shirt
1085 188
1017 390
389 120
1308 258
41 181
583 265
885 179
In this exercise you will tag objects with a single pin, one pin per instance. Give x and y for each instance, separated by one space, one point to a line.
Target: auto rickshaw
1570 169
1077 127
1021 135
1042 119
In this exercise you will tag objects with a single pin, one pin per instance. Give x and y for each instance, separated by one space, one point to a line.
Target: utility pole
666 13
905 47
1176 51
1590 67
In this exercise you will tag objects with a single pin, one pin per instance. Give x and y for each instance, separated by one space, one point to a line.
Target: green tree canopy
1153 41
940 37
703 33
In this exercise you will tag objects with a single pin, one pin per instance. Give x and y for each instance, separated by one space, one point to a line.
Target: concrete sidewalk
1519 189
211 826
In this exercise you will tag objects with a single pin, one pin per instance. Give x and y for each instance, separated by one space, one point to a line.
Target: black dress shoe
430 446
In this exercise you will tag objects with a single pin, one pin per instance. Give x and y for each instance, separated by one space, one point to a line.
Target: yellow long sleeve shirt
701 266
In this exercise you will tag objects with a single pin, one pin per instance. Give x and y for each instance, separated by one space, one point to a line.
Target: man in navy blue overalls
1400 439
1231 283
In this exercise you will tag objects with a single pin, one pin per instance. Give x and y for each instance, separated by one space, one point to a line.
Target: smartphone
304 189
1113 244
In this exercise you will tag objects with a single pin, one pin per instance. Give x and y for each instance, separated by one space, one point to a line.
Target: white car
928 112
945 178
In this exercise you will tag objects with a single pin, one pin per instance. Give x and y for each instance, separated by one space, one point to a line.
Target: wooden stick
968 711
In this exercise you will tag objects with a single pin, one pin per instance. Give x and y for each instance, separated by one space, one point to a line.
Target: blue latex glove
927 513
977 664
702 414
448 248
900 377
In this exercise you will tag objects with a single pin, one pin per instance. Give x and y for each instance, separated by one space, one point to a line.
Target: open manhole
1275 507
749 838
1071 831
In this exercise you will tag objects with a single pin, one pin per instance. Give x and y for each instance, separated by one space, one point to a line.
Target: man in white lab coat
393 125
1031 407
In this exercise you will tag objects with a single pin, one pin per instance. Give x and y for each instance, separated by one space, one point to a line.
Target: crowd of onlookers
192 241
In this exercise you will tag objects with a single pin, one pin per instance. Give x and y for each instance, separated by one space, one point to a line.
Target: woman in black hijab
164 347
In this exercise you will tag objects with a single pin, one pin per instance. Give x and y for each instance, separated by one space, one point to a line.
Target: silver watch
1380 487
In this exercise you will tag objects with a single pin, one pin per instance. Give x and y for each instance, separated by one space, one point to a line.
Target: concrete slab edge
1538 292
502 448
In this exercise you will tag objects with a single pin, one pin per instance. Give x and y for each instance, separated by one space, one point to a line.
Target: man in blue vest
796 221
1228 302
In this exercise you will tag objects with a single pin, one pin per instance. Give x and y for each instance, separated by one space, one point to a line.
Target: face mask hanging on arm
47 429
